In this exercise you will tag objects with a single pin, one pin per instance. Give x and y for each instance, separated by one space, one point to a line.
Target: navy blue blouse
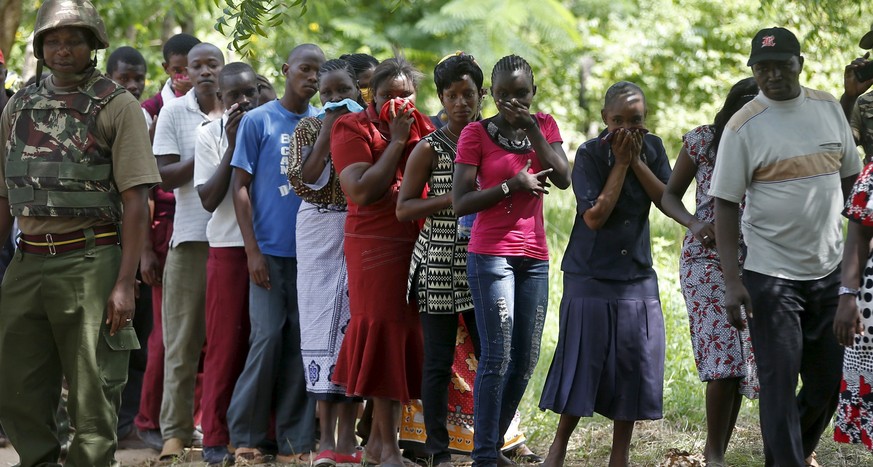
621 249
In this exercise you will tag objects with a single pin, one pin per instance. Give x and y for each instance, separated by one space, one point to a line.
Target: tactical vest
865 106
55 165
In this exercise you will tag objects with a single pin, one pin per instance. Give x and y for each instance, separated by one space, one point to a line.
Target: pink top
514 226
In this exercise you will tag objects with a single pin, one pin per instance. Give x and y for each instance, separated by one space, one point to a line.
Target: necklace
450 132
522 146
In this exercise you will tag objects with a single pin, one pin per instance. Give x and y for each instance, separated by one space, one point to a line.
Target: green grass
684 423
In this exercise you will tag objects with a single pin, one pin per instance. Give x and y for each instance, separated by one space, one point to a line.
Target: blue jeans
273 377
510 295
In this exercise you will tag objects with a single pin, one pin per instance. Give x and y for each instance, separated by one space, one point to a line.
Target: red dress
381 355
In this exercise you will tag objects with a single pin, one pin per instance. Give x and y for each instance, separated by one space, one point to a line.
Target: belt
52 244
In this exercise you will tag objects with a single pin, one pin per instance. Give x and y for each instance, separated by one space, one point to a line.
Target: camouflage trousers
52 325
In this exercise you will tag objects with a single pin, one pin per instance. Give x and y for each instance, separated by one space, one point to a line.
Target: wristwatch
848 291
505 187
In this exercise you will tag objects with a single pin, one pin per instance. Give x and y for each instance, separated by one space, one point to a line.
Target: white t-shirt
176 133
222 229
788 159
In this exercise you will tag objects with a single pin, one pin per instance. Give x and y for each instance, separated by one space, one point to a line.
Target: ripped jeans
510 295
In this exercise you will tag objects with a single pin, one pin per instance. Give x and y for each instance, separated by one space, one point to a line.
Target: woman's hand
704 232
401 120
532 183
331 116
516 114
847 321
626 145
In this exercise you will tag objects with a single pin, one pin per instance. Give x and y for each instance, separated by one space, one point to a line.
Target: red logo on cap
768 41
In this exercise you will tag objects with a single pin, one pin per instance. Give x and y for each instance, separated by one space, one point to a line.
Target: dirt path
131 453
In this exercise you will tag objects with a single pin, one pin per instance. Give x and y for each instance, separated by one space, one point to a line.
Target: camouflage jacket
55 165
862 124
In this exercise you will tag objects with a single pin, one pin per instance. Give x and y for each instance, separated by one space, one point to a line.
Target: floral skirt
720 350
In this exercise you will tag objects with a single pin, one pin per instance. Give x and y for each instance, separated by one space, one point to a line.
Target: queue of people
301 261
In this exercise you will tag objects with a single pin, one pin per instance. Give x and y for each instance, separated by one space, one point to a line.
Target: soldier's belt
53 244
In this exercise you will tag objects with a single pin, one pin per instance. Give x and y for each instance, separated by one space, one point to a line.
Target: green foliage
684 53
250 17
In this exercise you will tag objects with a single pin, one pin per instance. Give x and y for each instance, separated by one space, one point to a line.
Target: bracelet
848 291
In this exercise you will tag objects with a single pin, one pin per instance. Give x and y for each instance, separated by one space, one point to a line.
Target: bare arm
625 147
174 172
215 189
653 186
550 156
366 183
467 199
847 321
242 206
134 227
149 266
212 192
410 204
319 156
671 202
846 185
727 233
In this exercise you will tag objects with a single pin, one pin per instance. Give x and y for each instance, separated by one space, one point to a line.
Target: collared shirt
621 249
788 159
176 134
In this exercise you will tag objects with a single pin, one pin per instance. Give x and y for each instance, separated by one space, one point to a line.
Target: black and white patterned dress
854 422
438 270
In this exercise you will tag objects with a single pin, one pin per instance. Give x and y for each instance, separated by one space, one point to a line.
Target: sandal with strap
249 456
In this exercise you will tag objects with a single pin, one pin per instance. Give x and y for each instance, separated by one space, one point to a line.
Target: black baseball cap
774 44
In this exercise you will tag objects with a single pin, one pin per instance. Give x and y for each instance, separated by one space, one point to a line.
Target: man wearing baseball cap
791 154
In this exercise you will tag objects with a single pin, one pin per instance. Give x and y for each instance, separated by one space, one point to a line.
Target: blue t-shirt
621 249
262 145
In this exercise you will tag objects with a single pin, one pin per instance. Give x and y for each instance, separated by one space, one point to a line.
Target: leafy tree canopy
684 53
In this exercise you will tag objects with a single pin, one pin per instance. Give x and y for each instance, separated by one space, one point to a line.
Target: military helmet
55 14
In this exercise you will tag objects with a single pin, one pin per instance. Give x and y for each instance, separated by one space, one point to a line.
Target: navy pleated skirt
610 353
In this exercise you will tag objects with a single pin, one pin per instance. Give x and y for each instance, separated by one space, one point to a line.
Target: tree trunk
10 18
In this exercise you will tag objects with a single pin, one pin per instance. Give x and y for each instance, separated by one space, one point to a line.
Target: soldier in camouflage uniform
857 105
77 163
